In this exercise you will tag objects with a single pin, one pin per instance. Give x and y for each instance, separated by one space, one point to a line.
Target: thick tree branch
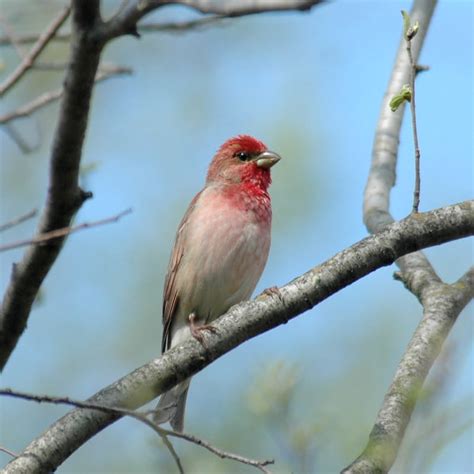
382 174
441 303
241 323
64 195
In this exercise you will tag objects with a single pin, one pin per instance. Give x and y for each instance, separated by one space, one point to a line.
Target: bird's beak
267 159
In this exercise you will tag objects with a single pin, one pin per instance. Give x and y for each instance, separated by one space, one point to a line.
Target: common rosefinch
219 254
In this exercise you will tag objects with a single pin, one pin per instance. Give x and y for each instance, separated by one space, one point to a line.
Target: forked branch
441 303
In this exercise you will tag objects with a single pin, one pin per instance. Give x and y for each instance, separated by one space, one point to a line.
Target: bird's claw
273 291
197 331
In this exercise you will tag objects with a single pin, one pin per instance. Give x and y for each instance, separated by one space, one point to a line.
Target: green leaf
398 99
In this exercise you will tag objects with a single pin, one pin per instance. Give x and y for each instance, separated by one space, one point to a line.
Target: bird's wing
170 294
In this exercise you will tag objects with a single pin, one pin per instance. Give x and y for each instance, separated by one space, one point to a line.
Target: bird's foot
273 291
197 330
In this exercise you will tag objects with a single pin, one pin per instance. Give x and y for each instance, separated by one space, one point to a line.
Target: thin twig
55 234
96 406
48 97
36 50
222 454
413 72
18 220
28 108
166 442
141 416
7 451
167 27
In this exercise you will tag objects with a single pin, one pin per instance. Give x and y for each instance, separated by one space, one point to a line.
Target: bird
220 251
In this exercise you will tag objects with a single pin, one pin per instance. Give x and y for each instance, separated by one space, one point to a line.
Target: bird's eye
242 156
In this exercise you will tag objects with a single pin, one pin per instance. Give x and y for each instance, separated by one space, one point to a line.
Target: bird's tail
172 405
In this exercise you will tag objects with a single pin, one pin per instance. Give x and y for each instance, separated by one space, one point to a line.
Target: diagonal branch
64 194
8 451
36 50
241 323
18 220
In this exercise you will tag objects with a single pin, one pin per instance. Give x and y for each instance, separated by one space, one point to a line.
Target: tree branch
7 451
64 195
40 239
260 465
165 27
142 417
442 303
18 220
125 21
413 70
241 323
382 174
36 50
385 147
42 100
